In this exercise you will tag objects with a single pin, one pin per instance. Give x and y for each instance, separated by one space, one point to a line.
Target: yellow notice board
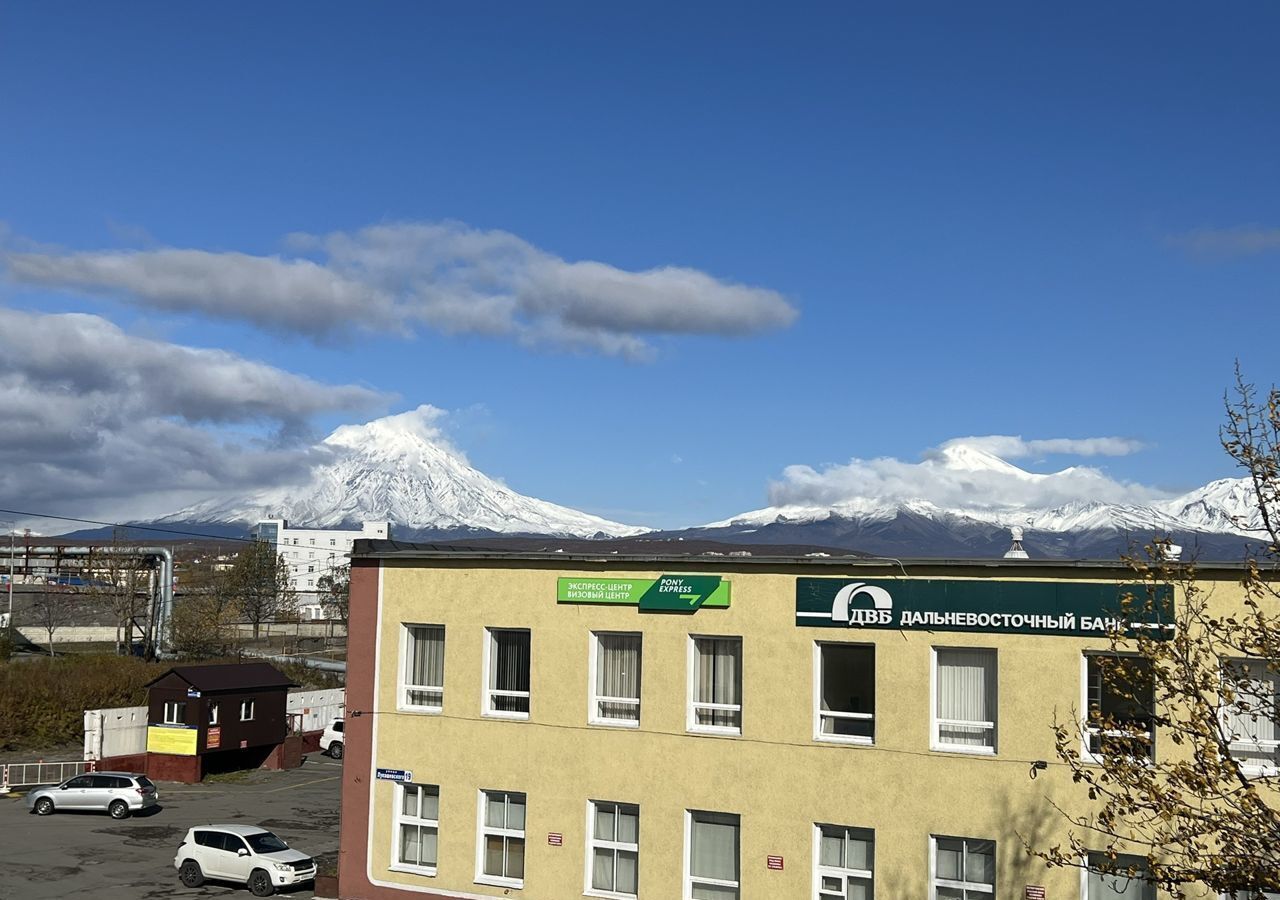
170 739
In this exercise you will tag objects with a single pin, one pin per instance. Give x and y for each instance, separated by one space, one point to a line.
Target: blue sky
879 228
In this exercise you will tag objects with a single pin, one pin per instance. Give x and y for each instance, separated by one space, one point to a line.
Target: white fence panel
318 708
115 732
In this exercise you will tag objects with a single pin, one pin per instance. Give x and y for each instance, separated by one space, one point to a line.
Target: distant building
312 553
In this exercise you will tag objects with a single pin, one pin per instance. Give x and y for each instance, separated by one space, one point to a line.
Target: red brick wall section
168 767
136 762
357 763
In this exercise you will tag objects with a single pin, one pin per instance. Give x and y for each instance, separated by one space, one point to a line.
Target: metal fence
24 775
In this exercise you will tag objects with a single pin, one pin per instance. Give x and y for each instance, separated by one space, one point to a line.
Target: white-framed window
615 678
1119 703
962 869
310 569
965 699
213 714
1108 879
175 712
500 848
845 859
311 582
246 710
332 542
715 684
613 849
313 542
422 675
711 870
506 662
844 692
417 825
1251 718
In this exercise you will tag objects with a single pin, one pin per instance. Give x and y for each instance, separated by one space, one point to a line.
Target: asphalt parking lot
83 855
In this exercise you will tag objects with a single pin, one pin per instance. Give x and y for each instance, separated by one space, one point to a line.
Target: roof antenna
1016 551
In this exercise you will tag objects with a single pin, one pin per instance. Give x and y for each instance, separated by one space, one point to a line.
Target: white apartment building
312 553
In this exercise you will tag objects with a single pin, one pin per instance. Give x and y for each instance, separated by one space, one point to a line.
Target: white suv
245 854
332 739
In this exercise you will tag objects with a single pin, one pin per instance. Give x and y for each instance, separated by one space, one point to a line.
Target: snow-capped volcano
399 468
961 499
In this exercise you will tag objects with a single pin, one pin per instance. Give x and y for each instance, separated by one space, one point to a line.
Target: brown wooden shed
225 716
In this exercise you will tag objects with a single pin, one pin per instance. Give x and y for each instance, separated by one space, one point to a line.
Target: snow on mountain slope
1221 507
399 468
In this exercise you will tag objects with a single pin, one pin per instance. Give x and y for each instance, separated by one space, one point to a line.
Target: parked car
332 739
118 793
246 854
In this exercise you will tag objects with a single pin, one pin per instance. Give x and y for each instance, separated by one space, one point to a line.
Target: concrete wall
115 732
775 776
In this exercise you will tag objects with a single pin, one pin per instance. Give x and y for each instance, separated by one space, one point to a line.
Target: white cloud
1011 447
96 418
1245 240
966 473
399 277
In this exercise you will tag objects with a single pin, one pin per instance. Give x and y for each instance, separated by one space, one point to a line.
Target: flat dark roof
633 550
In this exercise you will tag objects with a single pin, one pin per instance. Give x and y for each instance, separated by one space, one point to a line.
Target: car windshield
265 842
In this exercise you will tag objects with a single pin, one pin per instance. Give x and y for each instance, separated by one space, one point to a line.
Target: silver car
118 793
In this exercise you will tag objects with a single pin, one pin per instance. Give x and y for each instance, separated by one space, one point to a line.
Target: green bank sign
668 593
1016 607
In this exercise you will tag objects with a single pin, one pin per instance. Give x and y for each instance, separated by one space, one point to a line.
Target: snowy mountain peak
401 468
961 457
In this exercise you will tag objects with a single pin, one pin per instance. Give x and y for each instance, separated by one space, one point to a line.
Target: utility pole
10 620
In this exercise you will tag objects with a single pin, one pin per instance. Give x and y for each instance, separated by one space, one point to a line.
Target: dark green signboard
1017 607
668 593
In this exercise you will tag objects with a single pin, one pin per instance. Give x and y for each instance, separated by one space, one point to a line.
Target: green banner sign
1014 607
668 593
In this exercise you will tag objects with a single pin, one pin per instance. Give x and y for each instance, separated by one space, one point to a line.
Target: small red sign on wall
213 738
1033 892
773 862
555 838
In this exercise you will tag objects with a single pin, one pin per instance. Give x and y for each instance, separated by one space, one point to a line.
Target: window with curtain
501 838
508 665
963 869
846 692
423 676
417 825
846 857
1251 718
614 849
966 703
716 688
616 698
1119 693
1118 879
713 857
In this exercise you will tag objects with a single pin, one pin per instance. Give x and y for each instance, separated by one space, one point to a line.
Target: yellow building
558 725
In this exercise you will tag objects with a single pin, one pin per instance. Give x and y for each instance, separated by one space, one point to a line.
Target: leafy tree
335 595
1199 811
258 584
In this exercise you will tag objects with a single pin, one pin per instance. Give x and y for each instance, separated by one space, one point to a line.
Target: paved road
77 856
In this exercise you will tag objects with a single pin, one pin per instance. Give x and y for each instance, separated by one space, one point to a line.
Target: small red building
217 718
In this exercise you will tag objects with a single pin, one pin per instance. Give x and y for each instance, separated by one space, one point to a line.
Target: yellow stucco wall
776 777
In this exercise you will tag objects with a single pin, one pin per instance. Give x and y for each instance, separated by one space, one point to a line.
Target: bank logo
849 608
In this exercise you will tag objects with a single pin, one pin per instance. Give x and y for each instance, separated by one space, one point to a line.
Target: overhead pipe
161 616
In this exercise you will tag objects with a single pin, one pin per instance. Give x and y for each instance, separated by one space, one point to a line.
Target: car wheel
118 809
44 807
260 883
335 749
190 874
